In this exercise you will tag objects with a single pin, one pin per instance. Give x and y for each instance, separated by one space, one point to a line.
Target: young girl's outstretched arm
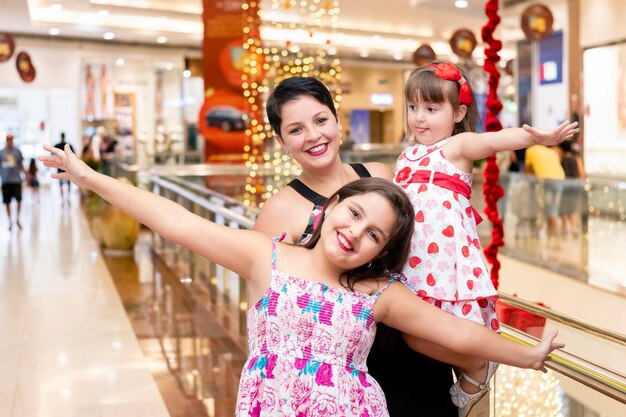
474 146
400 308
235 249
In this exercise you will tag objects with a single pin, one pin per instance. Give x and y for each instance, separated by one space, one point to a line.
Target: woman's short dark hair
395 253
292 88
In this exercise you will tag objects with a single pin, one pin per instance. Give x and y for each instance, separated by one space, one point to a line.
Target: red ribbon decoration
449 71
491 187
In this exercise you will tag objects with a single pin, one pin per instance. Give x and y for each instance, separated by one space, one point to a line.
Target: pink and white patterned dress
446 264
308 345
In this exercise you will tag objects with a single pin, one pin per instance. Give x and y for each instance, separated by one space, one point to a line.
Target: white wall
602 22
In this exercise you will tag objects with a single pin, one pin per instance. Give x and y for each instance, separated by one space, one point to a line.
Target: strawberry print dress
307 346
446 264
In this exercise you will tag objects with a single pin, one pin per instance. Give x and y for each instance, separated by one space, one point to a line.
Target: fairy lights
267 65
526 392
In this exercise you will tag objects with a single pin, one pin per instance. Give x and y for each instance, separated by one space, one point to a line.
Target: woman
303 115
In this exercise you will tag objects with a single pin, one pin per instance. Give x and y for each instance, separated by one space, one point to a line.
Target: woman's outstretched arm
237 250
400 308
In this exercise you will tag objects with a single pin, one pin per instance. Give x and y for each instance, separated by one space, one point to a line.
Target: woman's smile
318 149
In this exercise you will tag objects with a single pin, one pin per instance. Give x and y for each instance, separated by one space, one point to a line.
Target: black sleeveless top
319 201
414 385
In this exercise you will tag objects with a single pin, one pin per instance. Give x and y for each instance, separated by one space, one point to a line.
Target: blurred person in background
572 201
33 181
11 170
62 182
545 163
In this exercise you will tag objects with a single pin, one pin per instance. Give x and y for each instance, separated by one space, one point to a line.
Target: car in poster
227 118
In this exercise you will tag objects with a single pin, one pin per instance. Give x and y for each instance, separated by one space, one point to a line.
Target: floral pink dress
446 263
307 346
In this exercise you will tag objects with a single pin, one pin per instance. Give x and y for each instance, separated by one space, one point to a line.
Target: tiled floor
67 346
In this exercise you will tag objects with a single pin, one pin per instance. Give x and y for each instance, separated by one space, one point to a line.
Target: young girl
315 308
445 264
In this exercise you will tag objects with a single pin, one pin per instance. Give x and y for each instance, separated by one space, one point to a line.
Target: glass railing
585 380
574 227
376 152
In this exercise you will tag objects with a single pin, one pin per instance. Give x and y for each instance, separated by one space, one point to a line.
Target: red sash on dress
449 182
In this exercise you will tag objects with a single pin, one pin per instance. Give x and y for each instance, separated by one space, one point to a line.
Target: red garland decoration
491 187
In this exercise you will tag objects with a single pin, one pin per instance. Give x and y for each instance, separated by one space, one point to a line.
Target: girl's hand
552 137
75 169
544 348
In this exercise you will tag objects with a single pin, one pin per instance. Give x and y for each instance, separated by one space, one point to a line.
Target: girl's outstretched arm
474 146
400 308
235 249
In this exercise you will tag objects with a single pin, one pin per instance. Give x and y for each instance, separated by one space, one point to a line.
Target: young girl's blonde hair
424 86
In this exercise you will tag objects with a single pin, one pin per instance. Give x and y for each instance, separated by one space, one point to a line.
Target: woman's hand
543 349
75 170
552 137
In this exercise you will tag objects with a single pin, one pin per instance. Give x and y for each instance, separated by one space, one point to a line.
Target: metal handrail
579 369
206 191
203 202
569 321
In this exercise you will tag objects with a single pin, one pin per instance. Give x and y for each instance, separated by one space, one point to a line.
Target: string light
526 392
266 66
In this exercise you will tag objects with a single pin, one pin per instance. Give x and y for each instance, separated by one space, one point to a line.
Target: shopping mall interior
100 316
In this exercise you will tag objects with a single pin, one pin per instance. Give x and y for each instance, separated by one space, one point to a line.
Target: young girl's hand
552 137
544 348
75 169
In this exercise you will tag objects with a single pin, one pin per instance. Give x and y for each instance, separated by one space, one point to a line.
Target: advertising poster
97 93
223 118
360 126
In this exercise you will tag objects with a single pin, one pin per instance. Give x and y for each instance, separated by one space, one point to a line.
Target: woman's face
357 229
309 132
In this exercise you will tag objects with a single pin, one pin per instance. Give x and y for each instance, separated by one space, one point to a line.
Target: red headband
449 71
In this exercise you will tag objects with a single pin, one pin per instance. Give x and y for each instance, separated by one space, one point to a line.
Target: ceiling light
397 55
119 61
56 7
108 36
162 39
54 31
364 53
186 73
103 13
169 66
461 4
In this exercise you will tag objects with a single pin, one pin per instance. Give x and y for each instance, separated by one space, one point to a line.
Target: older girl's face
309 132
357 229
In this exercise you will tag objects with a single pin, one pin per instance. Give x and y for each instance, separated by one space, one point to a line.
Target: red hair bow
449 71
